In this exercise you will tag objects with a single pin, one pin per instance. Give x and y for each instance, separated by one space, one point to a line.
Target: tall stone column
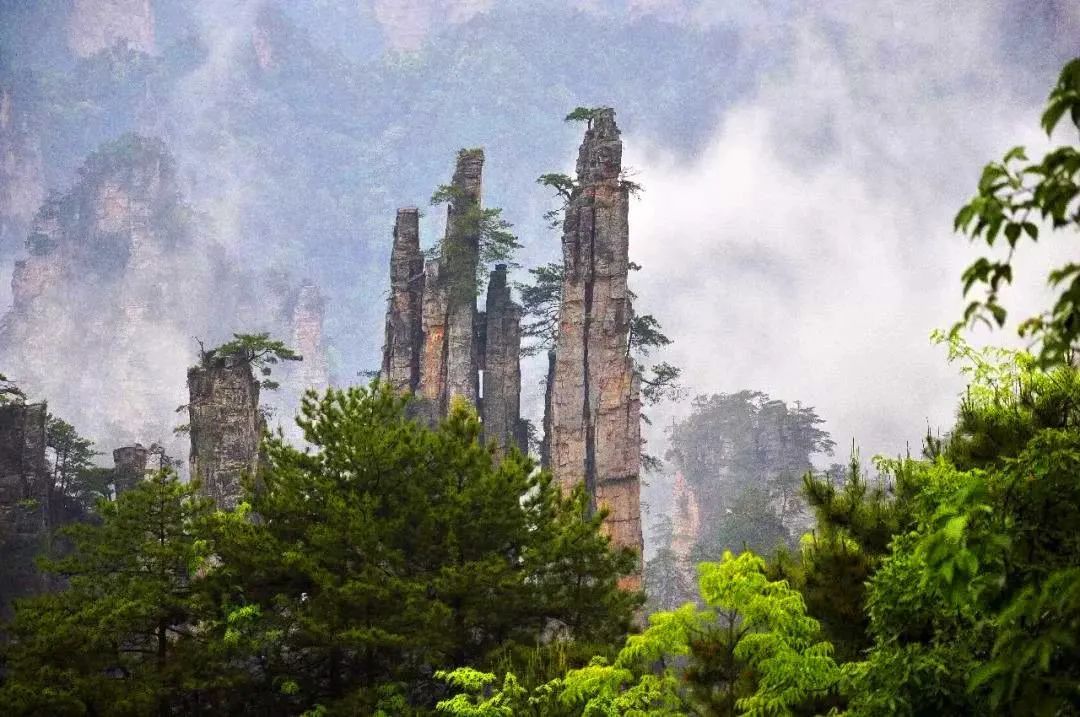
307 339
449 359
595 407
24 501
461 257
501 403
433 343
226 427
129 467
404 312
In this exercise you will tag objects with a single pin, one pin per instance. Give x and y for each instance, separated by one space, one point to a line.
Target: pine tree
119 638
389 550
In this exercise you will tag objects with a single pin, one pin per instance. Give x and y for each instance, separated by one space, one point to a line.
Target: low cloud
807 251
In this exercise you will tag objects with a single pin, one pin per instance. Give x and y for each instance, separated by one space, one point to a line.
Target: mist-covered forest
481 358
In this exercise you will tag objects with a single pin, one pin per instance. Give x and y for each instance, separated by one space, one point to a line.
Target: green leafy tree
120 637
764 659
74 475
584 114
541 300
855 523
388 550
975 609
495 243
1015 196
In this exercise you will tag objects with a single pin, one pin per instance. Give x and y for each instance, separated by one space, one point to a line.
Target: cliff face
117 279
24 500
226 427
501 402
433 347
134 464
100 286
404 320
95 25
595 409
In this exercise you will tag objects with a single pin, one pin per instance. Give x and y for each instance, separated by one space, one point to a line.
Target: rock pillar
501 402
226 427
404 317
307 336
130 465
461 257
595 408
24 501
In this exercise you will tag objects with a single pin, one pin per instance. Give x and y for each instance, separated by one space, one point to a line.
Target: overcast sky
807 250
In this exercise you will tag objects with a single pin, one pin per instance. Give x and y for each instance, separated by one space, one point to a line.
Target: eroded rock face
226 427
24 501
95 25
404 317
501 403
134 464
129 467
433 349
438 345
595 407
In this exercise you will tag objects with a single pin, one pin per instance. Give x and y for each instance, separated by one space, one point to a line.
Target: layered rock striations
501 400
404 313
24 500
595 407
226 427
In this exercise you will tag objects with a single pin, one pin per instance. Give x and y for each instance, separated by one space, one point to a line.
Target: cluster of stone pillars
438 343
439 346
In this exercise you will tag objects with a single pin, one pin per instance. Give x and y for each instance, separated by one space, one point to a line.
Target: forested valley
529 506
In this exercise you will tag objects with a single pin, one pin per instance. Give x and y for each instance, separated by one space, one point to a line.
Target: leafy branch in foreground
1014 197
758 628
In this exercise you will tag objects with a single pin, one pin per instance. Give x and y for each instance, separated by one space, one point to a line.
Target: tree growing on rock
259 351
